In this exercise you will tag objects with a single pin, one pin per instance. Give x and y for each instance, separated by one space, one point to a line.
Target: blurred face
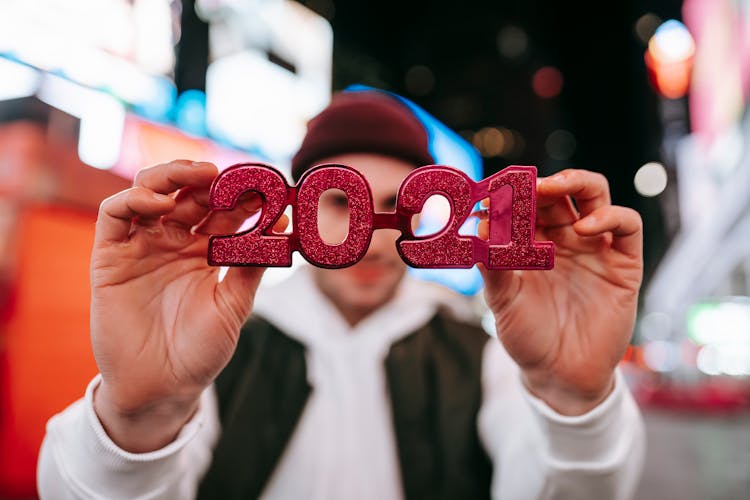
358 290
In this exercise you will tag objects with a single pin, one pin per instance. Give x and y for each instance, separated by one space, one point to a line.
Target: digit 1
256 246
522 252
311 245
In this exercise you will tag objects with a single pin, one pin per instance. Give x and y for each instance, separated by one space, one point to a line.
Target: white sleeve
540 454
79 460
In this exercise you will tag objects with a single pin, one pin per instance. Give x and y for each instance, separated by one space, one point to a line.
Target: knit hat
363 122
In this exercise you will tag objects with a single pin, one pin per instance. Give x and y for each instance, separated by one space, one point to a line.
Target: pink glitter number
521 252
512 218
445 249
256 246
354 246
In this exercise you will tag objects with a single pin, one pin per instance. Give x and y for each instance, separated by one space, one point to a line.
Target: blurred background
652 93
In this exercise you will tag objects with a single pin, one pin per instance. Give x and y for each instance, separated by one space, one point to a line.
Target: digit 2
255 246
446 248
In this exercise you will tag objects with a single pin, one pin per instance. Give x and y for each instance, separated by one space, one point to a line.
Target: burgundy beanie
363 122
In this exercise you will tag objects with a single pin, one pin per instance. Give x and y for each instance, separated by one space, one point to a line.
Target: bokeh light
661 356
669 58
497 141
646 26
560 145
651 179
547 82
419 80
671 43
512 42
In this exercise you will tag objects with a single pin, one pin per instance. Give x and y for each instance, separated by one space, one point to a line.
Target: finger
281 224
228 221
555 211
625 224
500 287
190 209
169 177
116 213
590 190
483 229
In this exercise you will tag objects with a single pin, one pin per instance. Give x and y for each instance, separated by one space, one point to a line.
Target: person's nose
383 242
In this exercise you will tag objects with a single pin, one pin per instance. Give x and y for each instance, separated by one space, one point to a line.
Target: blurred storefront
696 309
88 96
694 327
93 90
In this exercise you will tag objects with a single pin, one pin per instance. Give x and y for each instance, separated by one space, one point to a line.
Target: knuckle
135 192
142 174
636 216
106 203
566 173
136 195
115 199
601 179
146 173
630 216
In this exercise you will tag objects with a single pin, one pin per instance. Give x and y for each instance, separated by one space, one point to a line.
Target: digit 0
313 184
256 246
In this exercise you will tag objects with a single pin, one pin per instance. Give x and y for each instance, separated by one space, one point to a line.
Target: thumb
500 287
239 287
241 283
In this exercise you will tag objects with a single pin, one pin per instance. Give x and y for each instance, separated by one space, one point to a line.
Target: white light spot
672 42
17 80
709 360
651 179
656 326
660 356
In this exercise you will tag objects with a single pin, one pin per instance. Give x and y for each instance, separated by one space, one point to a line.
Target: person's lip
367 272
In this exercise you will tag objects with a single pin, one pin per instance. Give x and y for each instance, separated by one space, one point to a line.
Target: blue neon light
447 148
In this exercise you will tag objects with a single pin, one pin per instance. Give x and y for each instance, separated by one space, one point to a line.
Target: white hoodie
344 445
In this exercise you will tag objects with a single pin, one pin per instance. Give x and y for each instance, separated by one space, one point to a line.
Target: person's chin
367 299
371 286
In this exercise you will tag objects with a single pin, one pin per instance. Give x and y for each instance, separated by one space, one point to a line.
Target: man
355 382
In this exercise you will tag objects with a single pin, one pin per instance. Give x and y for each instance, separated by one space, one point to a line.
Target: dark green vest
434 379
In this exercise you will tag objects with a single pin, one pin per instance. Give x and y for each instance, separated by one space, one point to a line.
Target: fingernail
160 197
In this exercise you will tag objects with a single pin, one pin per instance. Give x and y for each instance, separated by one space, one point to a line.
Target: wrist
566 399
146 428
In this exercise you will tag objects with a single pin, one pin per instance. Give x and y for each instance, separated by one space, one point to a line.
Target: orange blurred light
669 59
672 80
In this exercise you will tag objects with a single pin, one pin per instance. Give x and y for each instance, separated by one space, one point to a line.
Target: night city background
651 93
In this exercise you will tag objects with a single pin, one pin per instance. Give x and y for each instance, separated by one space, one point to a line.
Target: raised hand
569 327
162 325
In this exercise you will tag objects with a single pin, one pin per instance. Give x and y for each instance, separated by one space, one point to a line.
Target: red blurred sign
146 143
